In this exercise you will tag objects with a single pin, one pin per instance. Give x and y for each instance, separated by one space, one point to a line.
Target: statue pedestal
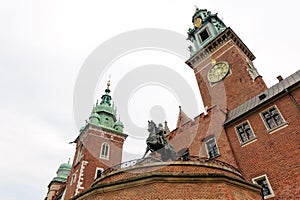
173 180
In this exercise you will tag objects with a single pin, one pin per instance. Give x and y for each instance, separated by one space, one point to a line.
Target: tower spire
108 84
106 98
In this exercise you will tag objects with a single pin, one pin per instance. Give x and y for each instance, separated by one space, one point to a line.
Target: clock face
218 72
198 22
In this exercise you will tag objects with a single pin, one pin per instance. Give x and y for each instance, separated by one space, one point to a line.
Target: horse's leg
147 150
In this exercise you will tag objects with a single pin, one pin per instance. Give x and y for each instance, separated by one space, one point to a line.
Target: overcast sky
45 43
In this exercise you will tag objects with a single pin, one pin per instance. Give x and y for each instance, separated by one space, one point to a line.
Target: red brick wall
187 191
181 180
192 135
276 154
92 141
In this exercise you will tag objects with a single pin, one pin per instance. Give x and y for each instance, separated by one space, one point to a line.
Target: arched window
104 154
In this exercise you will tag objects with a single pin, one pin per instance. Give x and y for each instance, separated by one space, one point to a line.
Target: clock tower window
204 35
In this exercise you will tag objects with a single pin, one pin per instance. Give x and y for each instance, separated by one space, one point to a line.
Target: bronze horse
157 142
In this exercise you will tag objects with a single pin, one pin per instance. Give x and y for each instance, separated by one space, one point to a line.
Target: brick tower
244 146
222 63
98 146
226 78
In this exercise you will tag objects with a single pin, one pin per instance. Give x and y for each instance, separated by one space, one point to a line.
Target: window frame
270 130
102 156
239 135
73 178
207 150
264 176
96 172
79 153
201 31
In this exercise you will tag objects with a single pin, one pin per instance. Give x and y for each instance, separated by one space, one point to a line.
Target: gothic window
212 148
104 151
272 118
98 172
265 184
245 133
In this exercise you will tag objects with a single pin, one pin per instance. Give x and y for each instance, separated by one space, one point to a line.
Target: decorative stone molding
210 48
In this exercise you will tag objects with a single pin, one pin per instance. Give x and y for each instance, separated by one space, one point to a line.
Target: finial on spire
107 91
69 160
108 84
197 9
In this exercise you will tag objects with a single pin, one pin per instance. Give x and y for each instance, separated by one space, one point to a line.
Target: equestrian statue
157 142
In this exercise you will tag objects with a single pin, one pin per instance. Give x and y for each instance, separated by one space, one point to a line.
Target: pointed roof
182 118
105 105
167 128
104 114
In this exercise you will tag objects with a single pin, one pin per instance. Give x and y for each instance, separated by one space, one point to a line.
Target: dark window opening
186 156
204 35
98 173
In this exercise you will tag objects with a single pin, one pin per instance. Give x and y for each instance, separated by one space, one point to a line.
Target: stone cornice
211 47
108 131
101 129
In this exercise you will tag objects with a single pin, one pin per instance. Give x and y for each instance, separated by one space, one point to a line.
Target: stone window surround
105 157
264 176
285 123
98 169
79 154
207 151
238 135
200 31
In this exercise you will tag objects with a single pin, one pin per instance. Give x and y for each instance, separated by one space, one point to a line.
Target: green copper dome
63 172
119 126
104 114
119 123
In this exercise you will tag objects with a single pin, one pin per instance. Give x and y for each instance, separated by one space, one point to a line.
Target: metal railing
130 164
148 160
214 161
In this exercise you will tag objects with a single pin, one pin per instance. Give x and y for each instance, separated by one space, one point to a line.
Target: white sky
44 44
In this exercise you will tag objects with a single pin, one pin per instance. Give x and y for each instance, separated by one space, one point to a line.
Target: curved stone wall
172 180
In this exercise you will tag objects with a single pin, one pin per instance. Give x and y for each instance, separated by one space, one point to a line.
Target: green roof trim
62 173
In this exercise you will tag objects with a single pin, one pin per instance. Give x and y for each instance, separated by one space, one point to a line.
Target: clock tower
222 63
